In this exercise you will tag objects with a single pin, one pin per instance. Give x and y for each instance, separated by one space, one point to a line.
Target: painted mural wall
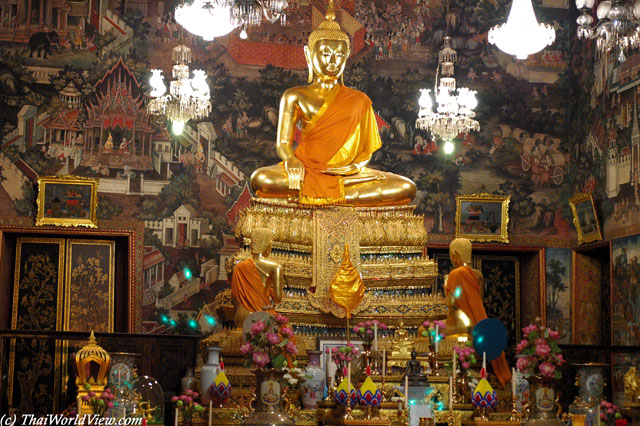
73 95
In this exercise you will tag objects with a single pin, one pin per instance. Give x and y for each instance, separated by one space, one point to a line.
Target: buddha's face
328 58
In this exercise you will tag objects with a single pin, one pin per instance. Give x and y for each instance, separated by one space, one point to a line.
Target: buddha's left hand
349 170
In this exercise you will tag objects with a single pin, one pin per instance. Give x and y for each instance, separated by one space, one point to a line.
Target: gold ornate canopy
92 363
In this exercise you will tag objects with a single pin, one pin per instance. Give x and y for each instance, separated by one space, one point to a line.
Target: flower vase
543 402
269 402
590 379
188 381
313 386
208 373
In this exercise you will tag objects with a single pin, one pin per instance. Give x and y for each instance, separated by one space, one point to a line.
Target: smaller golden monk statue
463 292
339 136
632 387
257 282
402 343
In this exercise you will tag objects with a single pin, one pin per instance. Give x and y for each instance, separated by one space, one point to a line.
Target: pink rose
559 358
541 341
257 327
610 410
603 416
375 322
465 365
530 328
609 405
109 404
356 329
188 392
281 319
86 398
547 369
291 348
554 334
383 326
273 338
246 348
174 398
286 332
370 332
188 399
261 359
196 394
543 350
92 394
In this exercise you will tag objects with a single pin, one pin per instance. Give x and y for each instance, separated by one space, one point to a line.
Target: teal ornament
490 337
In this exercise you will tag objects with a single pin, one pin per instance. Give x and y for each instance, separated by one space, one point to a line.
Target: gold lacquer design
585 218
347 287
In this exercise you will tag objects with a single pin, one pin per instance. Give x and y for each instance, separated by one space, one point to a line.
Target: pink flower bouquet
187 404
99 403
269 344
465 354
539 353
428 330
610 414
342 355
365 330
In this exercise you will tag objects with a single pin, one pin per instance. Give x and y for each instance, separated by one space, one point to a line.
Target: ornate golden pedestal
386 246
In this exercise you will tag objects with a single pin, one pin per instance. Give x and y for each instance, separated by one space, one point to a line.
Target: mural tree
438 186
556 284
521 205
182 189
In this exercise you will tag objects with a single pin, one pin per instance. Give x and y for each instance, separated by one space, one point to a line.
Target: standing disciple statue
464 301
256 282
339 136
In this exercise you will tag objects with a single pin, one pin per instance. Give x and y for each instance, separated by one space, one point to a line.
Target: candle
406 391
454 364
375 337
176 420
210 412
451 393
484 361
384 362
436 338
79 403
349 383
513 383
598 414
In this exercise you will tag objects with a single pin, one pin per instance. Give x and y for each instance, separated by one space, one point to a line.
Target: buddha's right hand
295 172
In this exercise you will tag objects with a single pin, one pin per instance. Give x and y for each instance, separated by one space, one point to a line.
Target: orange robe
343 131
247 287
471 304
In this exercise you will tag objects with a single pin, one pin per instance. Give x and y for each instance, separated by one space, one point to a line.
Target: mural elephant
42 41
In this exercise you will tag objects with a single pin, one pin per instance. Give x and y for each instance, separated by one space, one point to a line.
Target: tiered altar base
386 244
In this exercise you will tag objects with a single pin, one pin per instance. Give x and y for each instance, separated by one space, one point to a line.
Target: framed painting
585 218
328 343
89 296
625 315
38 286
558 299
482 217
67 201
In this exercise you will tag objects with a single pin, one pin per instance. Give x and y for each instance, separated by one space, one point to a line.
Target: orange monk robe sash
343 131
248 289
470 302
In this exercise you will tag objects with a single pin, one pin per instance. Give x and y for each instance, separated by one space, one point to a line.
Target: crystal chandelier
454 113
249 13
522 35
188 98
205 18
618 27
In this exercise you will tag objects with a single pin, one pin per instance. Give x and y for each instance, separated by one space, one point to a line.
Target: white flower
287 376
292 382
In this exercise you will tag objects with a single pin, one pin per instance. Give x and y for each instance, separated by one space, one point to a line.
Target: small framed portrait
585 218
67 201
482 217
327 343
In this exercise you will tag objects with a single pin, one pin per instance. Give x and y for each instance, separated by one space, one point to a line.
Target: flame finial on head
328 29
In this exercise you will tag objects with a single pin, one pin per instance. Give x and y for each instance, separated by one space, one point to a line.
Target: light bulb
449 147
425 99
243 34
177 127
603 9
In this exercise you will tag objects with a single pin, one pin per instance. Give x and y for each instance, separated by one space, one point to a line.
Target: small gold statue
402 344
339 137
147 410
257 281
632 387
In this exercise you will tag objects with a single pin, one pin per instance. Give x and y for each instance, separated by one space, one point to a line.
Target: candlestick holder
330 389
374 369
382 389
516 416
347 413
436 369
450 418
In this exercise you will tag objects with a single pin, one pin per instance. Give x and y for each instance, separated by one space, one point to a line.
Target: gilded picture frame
67 201
585 218
482 217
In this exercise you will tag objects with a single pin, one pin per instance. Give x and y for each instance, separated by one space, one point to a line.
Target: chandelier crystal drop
188 98
206 18
454 112
522 35
618 27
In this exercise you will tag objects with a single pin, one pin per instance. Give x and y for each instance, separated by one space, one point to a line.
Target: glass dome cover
150 397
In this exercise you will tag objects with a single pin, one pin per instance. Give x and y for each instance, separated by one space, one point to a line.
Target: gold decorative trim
90 222
585 237
503 237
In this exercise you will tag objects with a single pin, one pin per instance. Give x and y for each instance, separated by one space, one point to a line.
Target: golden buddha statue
402 344
632 388
256 281
339 136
